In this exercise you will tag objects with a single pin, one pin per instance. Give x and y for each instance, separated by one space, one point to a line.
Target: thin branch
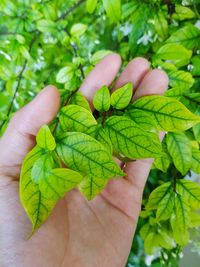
70 10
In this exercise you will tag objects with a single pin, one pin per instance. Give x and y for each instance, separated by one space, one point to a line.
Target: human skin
78 233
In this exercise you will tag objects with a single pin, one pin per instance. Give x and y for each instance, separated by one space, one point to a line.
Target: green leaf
41 168
99 55
165 207
65 74
121 97
98 133
157 195
101 100
161 25
78 29
196 131
180 150
76 118
37 207
45 138
58 182
169 114
91 5
188 36
84 154
180 221
129 140
180 79
45 25
143 120
91 186
176 92
151 243
195 163
176 53
162 163
79 99
183 13
195 219
190 191
195 65
113 9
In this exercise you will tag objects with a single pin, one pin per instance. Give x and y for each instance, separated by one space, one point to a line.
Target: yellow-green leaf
169 114
91 186
121 97
113 9
157 195
45 138
58 182
101 100
195 163
179 148
180 221
41 167
84 154
129 140
80 100
35 204
181 79
165 207
91 5
78 29
97 132
76 118
190 191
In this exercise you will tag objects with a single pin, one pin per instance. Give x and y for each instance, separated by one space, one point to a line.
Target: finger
133 72
19 136
103 74
155 82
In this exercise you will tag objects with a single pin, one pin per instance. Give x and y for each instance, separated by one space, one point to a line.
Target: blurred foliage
58 42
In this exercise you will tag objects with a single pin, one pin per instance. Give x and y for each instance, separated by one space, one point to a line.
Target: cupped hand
78 233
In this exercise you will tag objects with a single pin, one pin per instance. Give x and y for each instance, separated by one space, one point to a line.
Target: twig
71 9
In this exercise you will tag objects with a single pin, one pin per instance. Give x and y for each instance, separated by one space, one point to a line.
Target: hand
78 233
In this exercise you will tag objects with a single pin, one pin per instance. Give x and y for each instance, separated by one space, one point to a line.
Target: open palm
78 233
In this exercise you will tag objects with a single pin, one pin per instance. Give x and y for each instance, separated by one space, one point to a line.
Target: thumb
19 136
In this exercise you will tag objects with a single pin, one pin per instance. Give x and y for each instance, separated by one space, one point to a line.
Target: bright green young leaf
91 186
180 221
91 5
180 79
113 9
101 100
165 207
78 29
121 97
180 150
195 163
97 132
45 25
41 168
45 138
169 114
164 240
157 195
65 74
84 154
129 140
195 219
79 99
176 53
58 182
195 65
35 204
183 13
188 36
76 118
190 191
